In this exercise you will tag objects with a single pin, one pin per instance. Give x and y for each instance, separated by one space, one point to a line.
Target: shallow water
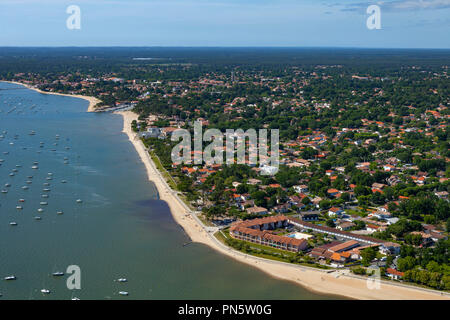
120 230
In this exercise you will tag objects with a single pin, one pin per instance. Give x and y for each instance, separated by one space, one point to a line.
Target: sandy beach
92 100
338 282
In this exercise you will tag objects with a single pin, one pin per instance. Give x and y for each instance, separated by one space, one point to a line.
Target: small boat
4 191
43 203
123 293
122 280
45 291
21 200
19 208
49 178
7 185
58 274
12 174
75 298
37 218
40 210
32 133
46 184
35 167
25 187
30 177
15 170
59 212
79 201
50 174
64 181
9 278
28 182
13 223
46 190
44 196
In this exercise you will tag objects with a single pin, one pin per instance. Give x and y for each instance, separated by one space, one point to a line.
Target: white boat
123 293
37 218
25 187
13 223
58 274
9 278
122 280
21 200
45 291
59 212
43 203
46 190
7 185
75 298
4 191
19 208
79 201
44 196
64 181
40 210
35 167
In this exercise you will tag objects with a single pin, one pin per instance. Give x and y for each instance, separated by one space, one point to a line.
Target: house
346 225
390 248
257 210
151 133
252 181
394 274
309 217
340 259
332 192
335 211
301 188
281 208
441 194
382 215
344 246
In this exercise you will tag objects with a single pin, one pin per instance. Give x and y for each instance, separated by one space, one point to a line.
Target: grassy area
265 251
163 170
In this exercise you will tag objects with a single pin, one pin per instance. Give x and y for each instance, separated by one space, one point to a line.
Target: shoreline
92 100
339 282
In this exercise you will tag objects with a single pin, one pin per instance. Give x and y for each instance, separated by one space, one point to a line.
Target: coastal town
363 181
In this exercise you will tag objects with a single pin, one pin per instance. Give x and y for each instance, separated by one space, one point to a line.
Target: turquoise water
120 230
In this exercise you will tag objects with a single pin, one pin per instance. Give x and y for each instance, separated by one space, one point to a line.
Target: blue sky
336 23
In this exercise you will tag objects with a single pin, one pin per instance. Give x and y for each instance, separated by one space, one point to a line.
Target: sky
290 23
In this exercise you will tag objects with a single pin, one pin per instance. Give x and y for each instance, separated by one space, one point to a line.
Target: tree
368 255
406 263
